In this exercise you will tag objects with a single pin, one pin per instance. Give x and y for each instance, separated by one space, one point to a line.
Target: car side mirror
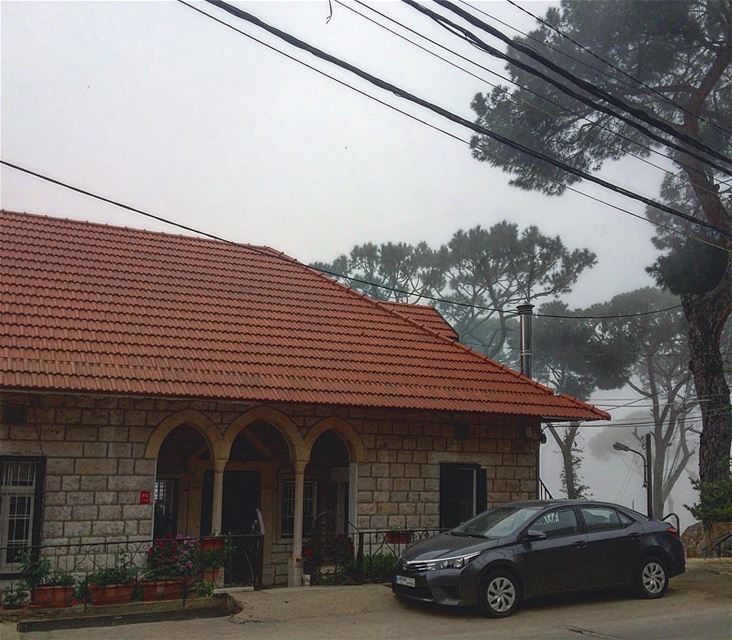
534 534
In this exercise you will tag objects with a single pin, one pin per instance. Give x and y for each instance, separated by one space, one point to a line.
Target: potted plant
112 585
14 597
211 555
46 589
169 561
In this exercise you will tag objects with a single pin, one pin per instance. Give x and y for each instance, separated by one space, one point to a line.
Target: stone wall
94 448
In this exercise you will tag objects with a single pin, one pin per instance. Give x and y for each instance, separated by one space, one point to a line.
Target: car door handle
580 544
634 536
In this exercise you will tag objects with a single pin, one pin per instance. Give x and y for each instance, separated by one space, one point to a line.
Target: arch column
294 574
218 496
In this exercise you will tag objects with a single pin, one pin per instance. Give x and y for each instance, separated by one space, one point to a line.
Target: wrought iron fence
196 564
359 557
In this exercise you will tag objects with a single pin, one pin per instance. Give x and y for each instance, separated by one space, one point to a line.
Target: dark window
166 501
288 507
560 522
601 519
21 491
462 493
626 521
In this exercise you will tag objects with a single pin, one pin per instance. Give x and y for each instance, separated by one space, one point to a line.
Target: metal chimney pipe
525 312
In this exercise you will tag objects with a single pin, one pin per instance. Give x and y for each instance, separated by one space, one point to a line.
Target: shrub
170 557
715 501
122 572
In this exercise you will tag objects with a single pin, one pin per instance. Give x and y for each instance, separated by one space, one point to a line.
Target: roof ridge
261 249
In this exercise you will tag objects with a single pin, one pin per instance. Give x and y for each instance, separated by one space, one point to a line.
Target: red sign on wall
144 497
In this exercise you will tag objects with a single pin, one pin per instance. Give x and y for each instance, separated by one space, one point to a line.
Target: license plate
404 581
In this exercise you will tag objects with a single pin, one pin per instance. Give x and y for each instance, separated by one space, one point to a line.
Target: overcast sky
154 105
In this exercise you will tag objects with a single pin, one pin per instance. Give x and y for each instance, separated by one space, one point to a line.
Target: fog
154 105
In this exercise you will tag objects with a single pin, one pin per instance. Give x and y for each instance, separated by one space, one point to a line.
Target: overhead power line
513 98
498 157
257 250
635 110
300 44
634 80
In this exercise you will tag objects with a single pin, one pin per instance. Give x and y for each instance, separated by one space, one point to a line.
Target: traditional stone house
221 379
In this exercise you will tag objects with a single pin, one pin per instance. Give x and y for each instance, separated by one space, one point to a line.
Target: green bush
121 573
715 501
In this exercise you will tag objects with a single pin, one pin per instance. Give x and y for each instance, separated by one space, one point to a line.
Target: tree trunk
706 315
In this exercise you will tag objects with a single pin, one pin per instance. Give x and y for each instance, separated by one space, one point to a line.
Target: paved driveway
698 605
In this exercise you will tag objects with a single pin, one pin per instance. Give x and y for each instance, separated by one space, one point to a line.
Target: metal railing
360 557
199 564
722 547
676 517
544 493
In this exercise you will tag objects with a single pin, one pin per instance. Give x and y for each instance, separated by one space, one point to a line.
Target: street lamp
647 479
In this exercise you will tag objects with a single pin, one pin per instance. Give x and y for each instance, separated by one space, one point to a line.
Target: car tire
499 594
652 578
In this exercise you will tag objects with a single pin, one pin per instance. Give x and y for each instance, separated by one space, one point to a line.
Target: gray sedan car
525 549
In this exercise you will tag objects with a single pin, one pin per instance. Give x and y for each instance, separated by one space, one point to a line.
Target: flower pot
111 593
162 589
211 574
211 544
399 537
60 596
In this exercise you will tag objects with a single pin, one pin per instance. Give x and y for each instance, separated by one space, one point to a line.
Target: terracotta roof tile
96 308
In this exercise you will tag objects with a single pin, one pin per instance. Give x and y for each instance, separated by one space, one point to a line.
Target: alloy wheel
501 594
654 577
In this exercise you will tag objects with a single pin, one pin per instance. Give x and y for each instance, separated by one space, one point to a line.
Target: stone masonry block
106 497
60 514
110 512
95 449
55 498
126 466
87 512
109 528
77 529
59 466
113 434
79 498
93 483
367 484
400 484
129 483
63 449
145 467
96 466
70 483
120 449
136 511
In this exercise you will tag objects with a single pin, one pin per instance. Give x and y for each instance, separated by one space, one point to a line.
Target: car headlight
455 562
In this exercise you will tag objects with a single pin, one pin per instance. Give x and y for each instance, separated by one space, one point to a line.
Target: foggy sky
154 105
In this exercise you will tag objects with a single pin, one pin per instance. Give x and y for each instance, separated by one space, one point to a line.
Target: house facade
155 384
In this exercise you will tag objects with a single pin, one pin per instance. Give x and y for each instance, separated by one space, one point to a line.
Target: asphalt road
698 605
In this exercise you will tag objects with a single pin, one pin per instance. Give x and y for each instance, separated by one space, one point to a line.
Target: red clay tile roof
425 315
96 308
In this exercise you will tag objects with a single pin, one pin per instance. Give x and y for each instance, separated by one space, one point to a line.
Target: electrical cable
252 247
636 111
300 44
604 61
512 98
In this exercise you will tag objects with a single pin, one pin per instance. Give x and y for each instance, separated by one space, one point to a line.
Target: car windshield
497 522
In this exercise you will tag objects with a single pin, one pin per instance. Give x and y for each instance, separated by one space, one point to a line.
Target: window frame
480 489
618 513
36 528
287 537
580 523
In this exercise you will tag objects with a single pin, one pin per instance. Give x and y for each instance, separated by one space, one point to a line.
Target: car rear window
603 519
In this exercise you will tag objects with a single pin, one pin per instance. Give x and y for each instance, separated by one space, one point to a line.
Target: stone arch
287 428
353 442
202 423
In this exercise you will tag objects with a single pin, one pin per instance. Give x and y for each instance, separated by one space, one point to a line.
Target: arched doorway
183 459
327 480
